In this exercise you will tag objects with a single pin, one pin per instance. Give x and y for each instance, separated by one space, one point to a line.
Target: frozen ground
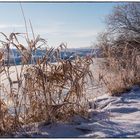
110 117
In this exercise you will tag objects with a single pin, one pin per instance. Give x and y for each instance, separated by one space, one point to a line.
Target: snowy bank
109 117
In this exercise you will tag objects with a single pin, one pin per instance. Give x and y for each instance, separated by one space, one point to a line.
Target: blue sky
77 24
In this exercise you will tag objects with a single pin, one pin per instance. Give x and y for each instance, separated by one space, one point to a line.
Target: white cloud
61 32
55 29
62 29
82 33
57 32
74 37
4 26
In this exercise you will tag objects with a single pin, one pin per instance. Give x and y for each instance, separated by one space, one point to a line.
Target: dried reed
41 91
120 69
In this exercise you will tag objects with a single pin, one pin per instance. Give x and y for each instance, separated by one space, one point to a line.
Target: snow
111 117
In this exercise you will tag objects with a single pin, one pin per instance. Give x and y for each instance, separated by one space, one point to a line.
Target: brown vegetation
120 46
42 91
121 72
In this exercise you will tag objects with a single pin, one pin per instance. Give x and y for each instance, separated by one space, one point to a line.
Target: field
106 116
53 91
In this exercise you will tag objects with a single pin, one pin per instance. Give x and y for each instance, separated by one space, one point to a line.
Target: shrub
41 91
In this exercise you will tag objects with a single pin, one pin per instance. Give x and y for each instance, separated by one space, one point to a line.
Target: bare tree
125 19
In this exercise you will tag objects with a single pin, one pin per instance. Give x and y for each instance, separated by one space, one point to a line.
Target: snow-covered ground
109 117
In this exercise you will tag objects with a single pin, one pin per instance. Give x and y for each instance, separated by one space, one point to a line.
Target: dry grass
120 70
42 91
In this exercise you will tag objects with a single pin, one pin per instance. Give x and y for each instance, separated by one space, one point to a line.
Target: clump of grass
120 70
41 90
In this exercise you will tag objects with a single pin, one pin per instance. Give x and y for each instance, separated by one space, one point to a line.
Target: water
16 58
